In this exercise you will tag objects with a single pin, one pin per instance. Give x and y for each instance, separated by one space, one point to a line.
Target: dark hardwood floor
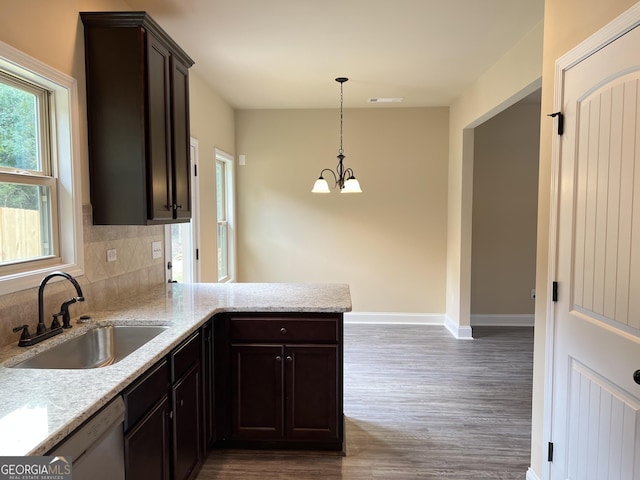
419 404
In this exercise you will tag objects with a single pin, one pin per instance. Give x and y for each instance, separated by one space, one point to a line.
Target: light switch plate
156 249
112 255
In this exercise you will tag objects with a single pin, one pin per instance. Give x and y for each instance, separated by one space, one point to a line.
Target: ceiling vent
386 100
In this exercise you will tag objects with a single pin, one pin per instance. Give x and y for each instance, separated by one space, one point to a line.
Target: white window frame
227 159
64 148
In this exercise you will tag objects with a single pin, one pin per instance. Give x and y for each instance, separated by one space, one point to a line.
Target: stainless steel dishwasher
96 448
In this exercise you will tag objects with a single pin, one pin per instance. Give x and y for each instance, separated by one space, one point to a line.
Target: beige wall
505 201
212 124
388 243
513 77
567 23
51 31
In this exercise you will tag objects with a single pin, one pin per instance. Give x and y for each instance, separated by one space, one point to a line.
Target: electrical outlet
112 255
156 249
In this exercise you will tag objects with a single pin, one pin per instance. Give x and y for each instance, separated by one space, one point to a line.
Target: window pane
221 193
19 129
223 252
25 222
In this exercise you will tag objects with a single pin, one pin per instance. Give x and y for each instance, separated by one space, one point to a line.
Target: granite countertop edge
63 399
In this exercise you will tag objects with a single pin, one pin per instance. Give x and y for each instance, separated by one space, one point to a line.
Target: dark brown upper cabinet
138 120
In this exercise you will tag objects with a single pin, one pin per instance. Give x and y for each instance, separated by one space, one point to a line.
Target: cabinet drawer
145 392
184 356
282 329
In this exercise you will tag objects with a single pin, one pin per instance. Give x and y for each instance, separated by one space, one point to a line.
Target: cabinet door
181 164
311 378
147 446
257 396
187 409
159 131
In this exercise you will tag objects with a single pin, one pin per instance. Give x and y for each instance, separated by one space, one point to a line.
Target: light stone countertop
39 408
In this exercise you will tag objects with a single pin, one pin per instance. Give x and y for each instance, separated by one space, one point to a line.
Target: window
40 210
26 182
225 216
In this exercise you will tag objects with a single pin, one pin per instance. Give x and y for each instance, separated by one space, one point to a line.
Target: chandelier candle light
344 177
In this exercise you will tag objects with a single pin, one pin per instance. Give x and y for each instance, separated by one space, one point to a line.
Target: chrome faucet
41 331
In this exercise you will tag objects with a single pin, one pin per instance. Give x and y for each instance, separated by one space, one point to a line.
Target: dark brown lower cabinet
286 394
187 417
164 432
147 446
311 392
250 380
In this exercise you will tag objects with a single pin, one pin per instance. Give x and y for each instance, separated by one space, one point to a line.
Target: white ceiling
287 53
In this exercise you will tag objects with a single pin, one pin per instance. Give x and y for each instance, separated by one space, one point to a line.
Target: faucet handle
25 332
55 323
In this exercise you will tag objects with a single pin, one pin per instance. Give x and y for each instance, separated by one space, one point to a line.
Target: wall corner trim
461 332
531 475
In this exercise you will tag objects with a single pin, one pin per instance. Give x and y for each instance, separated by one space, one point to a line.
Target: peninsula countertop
39 408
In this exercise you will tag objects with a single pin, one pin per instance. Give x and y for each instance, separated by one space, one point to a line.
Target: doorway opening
182 240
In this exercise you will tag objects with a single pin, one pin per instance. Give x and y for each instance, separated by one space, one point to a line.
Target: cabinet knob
279 358
289 358
283 331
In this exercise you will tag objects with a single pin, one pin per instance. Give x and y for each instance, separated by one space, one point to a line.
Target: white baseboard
397 318
524 320
531 475
462 333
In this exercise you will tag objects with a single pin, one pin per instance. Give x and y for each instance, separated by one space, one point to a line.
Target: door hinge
195 170
197 254
554 293
560 116
550 452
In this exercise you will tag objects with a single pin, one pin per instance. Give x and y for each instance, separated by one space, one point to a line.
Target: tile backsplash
134 270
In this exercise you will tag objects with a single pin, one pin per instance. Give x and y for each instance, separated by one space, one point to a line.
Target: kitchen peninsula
40 407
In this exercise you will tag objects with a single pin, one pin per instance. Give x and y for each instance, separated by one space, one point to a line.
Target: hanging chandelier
344 177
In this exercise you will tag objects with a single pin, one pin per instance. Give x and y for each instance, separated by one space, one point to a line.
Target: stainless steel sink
97 348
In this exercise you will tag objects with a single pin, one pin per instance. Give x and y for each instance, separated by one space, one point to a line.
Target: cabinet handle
283 331
279 358
171 414
176 207
181 403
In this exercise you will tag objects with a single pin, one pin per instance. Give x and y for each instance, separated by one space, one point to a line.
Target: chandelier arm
335 179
